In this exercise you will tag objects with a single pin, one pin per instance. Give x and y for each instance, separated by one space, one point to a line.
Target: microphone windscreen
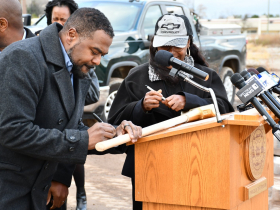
251 70
261 69
236 78
163 57
243 73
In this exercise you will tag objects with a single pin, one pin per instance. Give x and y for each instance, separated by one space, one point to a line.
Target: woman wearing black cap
173 33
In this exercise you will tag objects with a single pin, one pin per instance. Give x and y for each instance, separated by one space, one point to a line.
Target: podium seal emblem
255 154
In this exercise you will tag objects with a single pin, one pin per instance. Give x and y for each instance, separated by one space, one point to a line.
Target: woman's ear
189 43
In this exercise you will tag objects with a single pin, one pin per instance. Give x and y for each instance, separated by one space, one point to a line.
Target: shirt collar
24 34
152 75
68 62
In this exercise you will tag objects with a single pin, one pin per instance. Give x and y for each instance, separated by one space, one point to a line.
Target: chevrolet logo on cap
170 26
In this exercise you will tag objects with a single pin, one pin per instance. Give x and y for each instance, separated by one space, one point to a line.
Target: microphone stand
187 78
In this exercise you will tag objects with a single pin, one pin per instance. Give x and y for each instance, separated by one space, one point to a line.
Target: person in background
134 102
11 26
59 11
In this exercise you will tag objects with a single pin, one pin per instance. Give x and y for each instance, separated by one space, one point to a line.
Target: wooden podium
205 165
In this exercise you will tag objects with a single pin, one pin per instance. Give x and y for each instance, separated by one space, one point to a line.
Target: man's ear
3 24
72 36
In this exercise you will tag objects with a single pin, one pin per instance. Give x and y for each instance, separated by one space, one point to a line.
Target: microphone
165 58
253 71
261 69
249 75
275 89
277 79
267 80
238 81
273 76
246 75
266 97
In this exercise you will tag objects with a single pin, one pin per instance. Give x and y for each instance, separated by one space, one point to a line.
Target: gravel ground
106 188
267 57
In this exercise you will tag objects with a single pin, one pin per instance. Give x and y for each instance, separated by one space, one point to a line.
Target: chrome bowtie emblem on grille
170 26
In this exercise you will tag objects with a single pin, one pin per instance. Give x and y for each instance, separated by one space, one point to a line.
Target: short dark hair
88 20
72 5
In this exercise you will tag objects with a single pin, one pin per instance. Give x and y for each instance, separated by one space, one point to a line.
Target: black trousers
137 205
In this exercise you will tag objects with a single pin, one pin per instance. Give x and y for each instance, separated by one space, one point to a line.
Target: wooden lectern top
249 118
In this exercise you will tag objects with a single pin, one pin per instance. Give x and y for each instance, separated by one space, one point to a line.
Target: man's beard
77 69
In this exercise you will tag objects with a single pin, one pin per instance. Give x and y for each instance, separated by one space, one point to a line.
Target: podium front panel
257 203
202 169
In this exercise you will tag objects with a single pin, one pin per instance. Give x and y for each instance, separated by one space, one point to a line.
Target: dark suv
134 23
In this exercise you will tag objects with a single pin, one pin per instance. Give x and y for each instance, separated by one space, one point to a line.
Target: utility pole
268 17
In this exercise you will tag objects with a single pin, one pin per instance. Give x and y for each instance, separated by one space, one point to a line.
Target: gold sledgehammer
198 113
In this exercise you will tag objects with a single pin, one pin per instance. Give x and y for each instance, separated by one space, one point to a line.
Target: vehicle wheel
114 86
226 74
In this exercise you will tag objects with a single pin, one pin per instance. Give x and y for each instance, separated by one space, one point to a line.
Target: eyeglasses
171 48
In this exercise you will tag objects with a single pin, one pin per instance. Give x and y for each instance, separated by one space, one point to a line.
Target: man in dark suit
59 11
11 26
43 89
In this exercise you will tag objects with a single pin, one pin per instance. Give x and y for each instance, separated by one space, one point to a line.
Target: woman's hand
175 102
152 100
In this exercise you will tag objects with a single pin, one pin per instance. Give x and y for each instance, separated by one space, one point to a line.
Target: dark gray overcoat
40 118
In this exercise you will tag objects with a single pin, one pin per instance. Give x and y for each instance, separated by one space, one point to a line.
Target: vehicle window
42 22
175 10
151 17
122 16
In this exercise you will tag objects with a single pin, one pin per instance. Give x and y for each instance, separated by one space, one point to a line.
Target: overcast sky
217 8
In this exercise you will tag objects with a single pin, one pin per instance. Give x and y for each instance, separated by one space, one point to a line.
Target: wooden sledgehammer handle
199 113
